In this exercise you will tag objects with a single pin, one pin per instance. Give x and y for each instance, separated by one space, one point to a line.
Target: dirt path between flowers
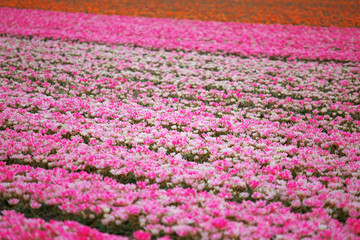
340 13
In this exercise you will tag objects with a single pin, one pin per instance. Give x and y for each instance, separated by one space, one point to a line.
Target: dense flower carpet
120 127
341 13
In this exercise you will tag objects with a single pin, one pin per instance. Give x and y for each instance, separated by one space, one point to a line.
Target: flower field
116 127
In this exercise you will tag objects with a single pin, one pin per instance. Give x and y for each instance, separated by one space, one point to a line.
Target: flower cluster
143 143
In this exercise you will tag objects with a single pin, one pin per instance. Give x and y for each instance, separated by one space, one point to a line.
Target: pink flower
182 230
134 210
35 205
13 201
141 184
344 83
141 235
353 213
165 238
216 236
253 184
219 222
294 119
354 225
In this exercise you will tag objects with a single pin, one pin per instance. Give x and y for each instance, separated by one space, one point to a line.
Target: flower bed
145 141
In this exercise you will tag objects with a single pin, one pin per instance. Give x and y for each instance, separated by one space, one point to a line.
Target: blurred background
339 13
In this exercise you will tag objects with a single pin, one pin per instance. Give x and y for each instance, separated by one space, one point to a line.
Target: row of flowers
120 208
282 41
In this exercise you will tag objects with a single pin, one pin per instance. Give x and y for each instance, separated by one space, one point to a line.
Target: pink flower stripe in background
141 142
284 41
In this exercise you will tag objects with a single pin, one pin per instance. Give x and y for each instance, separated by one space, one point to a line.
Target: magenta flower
219 222
141 235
